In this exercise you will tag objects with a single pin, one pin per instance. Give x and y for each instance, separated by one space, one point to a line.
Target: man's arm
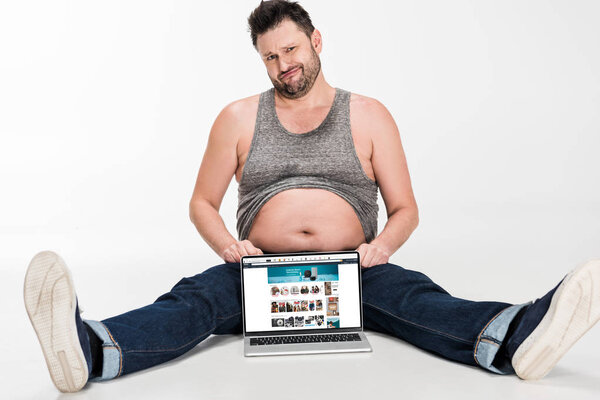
391 172
218 166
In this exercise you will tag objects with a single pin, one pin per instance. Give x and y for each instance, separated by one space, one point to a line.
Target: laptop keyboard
338 337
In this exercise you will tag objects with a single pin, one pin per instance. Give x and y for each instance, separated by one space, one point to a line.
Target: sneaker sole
574 309
50 302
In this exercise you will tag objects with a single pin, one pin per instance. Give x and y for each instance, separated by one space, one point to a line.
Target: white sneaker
52 307
553 323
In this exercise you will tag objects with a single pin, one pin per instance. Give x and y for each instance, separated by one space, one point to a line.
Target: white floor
503 263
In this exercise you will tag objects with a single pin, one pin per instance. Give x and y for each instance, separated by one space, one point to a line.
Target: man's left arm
391 172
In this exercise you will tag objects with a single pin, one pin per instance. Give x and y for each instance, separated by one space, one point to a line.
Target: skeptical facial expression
292 61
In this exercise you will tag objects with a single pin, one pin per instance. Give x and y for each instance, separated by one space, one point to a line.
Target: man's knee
381 269
218 276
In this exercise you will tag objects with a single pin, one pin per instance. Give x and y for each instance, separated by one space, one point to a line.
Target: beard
301 85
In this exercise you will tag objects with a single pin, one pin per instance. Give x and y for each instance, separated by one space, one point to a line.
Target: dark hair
269 14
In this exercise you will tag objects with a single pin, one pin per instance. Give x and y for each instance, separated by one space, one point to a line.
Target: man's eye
291 48
270 57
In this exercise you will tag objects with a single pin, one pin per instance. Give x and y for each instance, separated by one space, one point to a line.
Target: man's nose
285 64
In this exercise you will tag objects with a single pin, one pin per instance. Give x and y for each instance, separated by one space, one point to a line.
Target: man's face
292 62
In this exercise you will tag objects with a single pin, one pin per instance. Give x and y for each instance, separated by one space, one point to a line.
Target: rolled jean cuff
111 352
491 337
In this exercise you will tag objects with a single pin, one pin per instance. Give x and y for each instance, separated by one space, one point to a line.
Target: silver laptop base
307 348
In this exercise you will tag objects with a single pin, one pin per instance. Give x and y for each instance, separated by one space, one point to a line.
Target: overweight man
308 159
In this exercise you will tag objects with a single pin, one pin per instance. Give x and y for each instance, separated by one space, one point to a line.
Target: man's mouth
290 72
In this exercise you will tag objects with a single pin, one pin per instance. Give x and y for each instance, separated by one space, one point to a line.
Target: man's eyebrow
284 47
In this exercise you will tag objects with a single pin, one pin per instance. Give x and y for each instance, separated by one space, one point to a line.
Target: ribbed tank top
323 158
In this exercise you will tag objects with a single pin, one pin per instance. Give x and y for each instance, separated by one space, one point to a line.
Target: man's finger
368 259
248 248
230 256
239 251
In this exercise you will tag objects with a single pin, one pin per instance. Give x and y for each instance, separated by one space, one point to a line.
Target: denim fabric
396 301
408 305
111 352
491 338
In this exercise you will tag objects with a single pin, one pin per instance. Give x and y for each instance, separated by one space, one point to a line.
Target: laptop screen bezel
302 331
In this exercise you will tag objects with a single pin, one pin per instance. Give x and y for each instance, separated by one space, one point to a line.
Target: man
308 159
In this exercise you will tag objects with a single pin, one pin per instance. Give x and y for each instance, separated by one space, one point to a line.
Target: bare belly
304 219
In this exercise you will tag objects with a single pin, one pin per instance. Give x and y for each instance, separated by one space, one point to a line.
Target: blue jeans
396 301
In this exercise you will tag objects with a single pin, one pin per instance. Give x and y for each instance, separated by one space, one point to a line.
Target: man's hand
234 252
371 255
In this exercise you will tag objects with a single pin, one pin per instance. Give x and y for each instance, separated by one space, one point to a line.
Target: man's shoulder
242 109
236 118
368 109
365 103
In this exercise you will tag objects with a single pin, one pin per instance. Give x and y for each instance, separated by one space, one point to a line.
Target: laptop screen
288 293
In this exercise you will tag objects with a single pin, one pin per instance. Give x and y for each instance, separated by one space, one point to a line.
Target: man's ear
317 41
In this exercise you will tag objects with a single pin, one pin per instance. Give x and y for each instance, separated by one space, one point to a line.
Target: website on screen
301 296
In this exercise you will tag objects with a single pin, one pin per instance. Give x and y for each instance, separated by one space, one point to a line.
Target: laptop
302 303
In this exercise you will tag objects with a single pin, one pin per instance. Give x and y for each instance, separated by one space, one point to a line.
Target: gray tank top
323 158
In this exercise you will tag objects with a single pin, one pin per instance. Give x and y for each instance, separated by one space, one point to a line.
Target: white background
105 109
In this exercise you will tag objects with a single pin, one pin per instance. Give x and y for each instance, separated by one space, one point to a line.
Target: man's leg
195 308
524 338
77 351
409 305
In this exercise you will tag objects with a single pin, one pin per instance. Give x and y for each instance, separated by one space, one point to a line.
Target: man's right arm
218 166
